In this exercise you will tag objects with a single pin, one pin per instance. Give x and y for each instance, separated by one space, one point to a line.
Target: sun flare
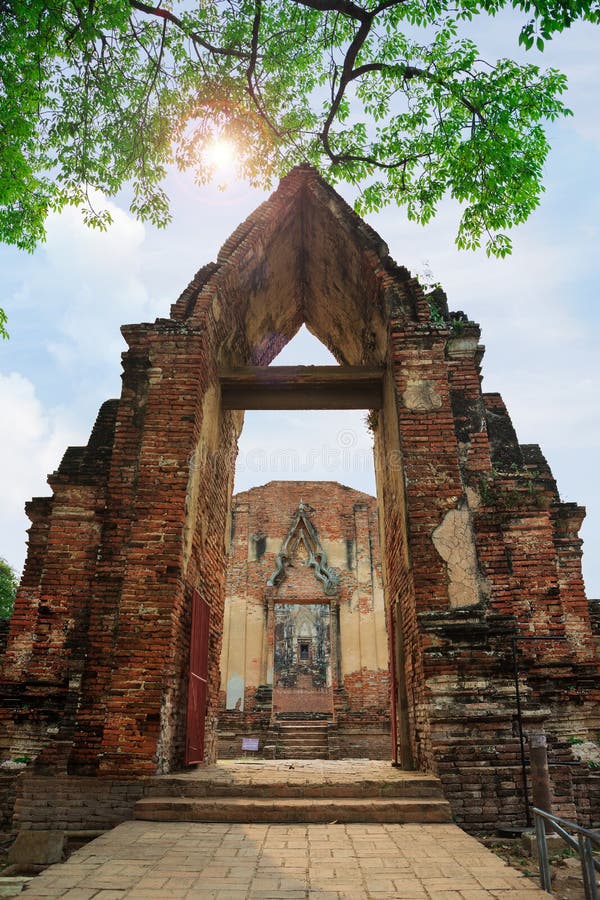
221 154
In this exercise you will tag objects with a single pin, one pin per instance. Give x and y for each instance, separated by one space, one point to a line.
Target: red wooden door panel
393 687
198 680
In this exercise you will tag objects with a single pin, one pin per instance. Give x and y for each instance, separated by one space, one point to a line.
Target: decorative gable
302 543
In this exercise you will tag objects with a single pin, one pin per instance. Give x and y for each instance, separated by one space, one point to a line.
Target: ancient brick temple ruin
111 669
305 633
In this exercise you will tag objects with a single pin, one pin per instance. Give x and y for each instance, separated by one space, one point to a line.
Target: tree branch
377 164
253 90
347 7
193 35
414 72
350 58
254 44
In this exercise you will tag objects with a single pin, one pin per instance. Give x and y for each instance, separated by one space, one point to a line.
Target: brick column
139 629
464 354
269 642
22 625
152 598
429 453
567 519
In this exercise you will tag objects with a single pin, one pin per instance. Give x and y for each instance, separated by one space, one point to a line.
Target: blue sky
538 310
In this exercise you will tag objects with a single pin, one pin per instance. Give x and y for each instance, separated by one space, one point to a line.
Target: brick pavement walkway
146 860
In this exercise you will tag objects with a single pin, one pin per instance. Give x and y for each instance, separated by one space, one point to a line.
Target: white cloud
82 285
32 446
327 445
101 284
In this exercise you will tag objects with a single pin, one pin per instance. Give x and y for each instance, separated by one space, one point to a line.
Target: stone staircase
297 739
294 792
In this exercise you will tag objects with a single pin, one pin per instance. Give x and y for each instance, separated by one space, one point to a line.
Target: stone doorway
477 546
305 625
302 686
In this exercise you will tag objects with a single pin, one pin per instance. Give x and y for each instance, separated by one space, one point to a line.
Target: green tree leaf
8 589
3 320
384 94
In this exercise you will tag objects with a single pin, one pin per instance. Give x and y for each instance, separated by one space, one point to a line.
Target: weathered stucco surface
455 542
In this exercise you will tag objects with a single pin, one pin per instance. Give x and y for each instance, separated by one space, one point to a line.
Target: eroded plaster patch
454 541
473 498
421 394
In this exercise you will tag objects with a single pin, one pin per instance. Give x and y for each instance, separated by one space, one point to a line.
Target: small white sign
249 743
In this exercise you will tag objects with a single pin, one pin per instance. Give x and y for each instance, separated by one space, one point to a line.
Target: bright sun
220 153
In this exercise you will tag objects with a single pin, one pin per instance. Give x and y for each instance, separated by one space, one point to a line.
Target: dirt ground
565 866
6 839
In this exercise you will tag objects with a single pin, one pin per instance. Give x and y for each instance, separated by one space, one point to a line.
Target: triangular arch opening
304 349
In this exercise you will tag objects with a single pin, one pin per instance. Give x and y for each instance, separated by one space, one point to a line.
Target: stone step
290 726
316 810
297 785
298 733
304 728
290 746
298 742
285 718
301 734
302 740
302 752
294 726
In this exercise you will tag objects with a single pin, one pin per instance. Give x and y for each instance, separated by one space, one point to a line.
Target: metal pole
521 737
526 638
590 886
542 852
540 776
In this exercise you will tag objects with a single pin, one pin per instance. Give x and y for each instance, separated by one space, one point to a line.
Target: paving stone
276 894
445 895
198 895
463 883
475 894
228 895
492 882
532 894
286 863
109 895
79 893
380 884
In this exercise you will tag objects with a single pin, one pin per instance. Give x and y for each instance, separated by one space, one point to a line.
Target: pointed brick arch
303 257
474 549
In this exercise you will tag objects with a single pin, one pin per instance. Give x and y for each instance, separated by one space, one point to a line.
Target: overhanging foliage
384 94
